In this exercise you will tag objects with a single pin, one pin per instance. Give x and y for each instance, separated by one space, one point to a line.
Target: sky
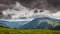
14 9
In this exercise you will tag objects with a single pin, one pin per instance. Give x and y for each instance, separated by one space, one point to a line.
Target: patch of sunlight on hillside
53 23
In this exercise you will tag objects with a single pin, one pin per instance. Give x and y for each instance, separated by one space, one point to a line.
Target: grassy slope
15 31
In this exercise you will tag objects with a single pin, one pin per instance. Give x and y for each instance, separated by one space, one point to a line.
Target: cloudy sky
26 8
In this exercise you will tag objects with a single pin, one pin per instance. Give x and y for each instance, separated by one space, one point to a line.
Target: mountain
12 24
37 23
41 23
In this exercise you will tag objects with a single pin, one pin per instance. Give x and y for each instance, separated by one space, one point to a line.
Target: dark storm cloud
41 4
5 4
33 3
27 3
52 5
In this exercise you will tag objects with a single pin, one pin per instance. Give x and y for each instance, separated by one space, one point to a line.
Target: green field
36 31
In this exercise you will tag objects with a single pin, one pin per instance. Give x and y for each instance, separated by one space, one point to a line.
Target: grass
36 31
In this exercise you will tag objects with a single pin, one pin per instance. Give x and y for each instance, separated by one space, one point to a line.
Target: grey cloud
52 5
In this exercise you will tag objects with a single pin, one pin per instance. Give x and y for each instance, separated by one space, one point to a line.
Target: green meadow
4 30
